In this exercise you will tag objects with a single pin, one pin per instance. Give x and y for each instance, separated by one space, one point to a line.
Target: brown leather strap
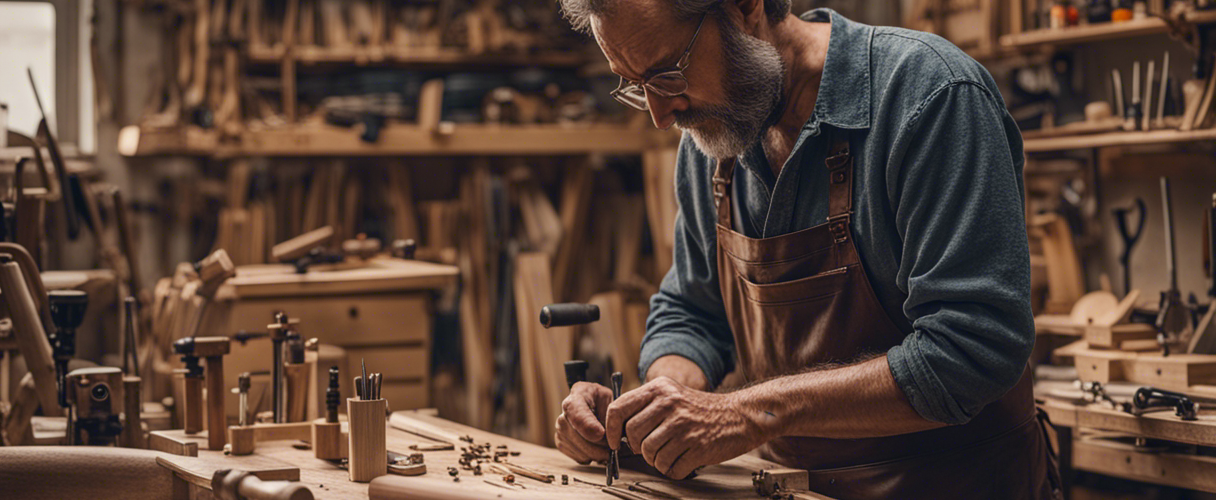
840 188
723 176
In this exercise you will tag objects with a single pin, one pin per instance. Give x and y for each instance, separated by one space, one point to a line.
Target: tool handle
555 315
576 371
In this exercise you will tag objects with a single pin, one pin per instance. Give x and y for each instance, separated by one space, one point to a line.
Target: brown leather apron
801 300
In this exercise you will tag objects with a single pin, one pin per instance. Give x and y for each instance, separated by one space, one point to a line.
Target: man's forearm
849 402
679 369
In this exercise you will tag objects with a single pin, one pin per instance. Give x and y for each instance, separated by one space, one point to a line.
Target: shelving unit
1098 32
309 55
396 140
1110 139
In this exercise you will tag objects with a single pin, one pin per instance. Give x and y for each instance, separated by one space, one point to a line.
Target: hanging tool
1212 246
1147 114
1117 80
70 212
1165 84
1129 238
1134 110
1172 313
67 312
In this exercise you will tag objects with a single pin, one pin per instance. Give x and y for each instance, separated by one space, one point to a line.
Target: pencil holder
368 456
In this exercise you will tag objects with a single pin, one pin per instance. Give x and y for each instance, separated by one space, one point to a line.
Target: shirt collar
844 90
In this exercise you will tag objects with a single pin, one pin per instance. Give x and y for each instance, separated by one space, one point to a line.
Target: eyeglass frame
678 70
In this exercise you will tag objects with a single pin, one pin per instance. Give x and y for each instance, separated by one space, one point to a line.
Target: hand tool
1171 316
555 315
614 463
61 171
278 334
1129 238
365 389
1134 110
1165 84
1151 398
576 371
213 350
67 312
96 398
130 348
243 384
1147 113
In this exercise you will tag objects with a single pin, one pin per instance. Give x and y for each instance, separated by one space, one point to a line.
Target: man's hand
677 429
580 428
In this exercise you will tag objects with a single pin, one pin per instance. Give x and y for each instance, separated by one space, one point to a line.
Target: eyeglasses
669 82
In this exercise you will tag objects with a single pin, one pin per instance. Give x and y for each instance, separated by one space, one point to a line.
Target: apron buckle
839 225
720 187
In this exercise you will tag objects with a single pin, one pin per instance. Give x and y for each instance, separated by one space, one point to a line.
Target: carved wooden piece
30 335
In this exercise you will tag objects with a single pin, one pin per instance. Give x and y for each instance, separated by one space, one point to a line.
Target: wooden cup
367 447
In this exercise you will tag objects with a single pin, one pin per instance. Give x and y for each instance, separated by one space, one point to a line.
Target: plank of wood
1171 469
199 472
575 209
530 363
379 275
1174 372
1116 335
658 166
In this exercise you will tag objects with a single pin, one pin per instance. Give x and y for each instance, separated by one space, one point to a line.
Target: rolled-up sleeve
686 315
955 183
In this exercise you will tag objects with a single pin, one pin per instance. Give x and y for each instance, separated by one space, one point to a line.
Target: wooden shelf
1113 139
396 140
411 58
1097 32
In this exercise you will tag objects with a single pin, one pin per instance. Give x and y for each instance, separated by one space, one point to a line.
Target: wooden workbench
731 480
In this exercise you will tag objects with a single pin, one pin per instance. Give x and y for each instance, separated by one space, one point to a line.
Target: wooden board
380 275
1171 469
199 471
1176 372
1162 425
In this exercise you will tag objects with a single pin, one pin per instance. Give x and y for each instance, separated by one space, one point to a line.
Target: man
850 231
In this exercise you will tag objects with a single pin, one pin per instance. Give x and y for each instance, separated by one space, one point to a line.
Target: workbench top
730 480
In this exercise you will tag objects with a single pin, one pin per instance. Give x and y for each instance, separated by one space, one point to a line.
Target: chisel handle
576 371
555 315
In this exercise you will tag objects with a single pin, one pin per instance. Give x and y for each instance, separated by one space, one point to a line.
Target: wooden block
1116 335
217 420
1176 372
328 440
300 245
174 443
1161 425
241 440
367 439
193 406
296 375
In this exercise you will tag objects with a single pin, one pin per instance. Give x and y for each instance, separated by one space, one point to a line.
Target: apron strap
723 176
840 189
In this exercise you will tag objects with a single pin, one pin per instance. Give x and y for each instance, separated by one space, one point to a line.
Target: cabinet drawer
344 320
398 364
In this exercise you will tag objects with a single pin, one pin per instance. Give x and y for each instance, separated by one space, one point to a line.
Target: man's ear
753 14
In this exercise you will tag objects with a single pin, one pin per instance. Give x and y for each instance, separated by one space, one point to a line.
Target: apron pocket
819 286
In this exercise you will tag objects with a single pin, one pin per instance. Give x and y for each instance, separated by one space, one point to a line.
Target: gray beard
753 94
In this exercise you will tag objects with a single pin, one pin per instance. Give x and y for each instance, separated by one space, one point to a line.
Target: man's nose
661 108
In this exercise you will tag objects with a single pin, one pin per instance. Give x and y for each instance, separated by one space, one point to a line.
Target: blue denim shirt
938 218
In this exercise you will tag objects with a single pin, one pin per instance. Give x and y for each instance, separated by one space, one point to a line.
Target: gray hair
579 12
